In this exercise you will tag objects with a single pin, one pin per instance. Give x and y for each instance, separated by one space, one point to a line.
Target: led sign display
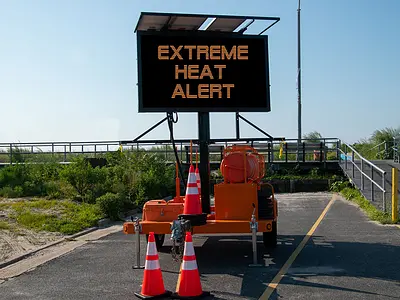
199 71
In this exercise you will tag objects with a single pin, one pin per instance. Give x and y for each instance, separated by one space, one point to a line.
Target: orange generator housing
235 199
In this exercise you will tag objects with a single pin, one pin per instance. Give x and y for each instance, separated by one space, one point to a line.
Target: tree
385 135
313 136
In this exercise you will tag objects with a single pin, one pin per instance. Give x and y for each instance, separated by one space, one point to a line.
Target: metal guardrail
396 150
363 175
387 150
274 151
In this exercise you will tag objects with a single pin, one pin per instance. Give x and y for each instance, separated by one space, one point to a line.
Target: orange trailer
241 196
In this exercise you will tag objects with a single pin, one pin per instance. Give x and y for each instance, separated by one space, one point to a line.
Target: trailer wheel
159 238
270 238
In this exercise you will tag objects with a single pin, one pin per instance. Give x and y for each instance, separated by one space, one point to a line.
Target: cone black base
166 294
204 294
195 220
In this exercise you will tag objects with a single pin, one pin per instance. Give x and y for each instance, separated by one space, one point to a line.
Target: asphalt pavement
347 257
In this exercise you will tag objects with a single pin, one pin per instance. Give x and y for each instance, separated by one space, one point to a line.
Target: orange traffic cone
192 204
198 181
189 285
153 284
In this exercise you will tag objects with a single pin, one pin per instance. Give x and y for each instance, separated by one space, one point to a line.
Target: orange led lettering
190 48
188 92
193 70
202 50
178 91
176 52
215 52
163 50
184 71
242 52
220 67
215 88
206 72
203 88
228 55
228 89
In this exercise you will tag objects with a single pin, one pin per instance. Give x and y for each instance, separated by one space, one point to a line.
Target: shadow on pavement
231 255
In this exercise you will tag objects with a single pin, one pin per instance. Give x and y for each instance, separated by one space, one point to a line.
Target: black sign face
199 71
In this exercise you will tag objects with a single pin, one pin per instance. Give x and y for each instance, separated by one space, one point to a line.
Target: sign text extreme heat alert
198 72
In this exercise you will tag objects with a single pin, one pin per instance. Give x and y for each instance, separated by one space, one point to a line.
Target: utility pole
298 83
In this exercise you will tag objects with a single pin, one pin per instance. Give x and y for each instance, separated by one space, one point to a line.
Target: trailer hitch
178 232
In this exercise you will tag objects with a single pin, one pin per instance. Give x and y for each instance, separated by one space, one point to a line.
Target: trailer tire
270 238
159 238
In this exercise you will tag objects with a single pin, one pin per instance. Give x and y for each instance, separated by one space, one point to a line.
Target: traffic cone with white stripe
192 204
198 181
153 284
189 285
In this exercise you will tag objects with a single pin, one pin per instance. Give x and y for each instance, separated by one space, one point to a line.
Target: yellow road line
274 283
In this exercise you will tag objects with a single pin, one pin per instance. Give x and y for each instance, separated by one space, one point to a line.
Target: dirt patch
15 242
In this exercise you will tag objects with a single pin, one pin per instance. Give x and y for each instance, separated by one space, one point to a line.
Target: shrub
338 186
85 179
9 192
13 175
53 189
111 205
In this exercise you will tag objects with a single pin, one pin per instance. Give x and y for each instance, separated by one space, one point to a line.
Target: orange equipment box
234 201
161 210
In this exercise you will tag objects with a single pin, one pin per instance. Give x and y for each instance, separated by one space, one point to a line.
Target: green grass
4 225
372 212
64 216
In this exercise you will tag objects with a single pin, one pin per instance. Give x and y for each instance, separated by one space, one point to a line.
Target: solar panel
225 24
152 22
179 21
186 23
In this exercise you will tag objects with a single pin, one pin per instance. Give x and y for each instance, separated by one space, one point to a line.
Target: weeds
66 216
134 176
354 195
4 225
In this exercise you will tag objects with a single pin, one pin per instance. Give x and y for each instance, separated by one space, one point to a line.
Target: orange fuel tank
241 164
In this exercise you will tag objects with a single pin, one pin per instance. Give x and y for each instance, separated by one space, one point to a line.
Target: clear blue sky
68 69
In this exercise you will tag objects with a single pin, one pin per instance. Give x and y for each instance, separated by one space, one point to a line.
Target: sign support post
204 139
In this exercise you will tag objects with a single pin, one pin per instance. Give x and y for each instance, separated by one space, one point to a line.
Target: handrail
268 148
382 187
364 159
377 145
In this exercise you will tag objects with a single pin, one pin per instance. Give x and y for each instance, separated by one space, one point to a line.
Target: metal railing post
11 154
286 154
320 152
384 191
337 150
352 161
372 184
65 153
362 174
395 195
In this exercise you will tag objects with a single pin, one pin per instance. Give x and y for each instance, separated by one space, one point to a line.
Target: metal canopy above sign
177 21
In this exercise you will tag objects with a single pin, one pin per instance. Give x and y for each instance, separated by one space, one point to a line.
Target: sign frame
207 34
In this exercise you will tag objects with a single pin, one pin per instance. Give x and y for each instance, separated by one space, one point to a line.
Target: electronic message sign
200 71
